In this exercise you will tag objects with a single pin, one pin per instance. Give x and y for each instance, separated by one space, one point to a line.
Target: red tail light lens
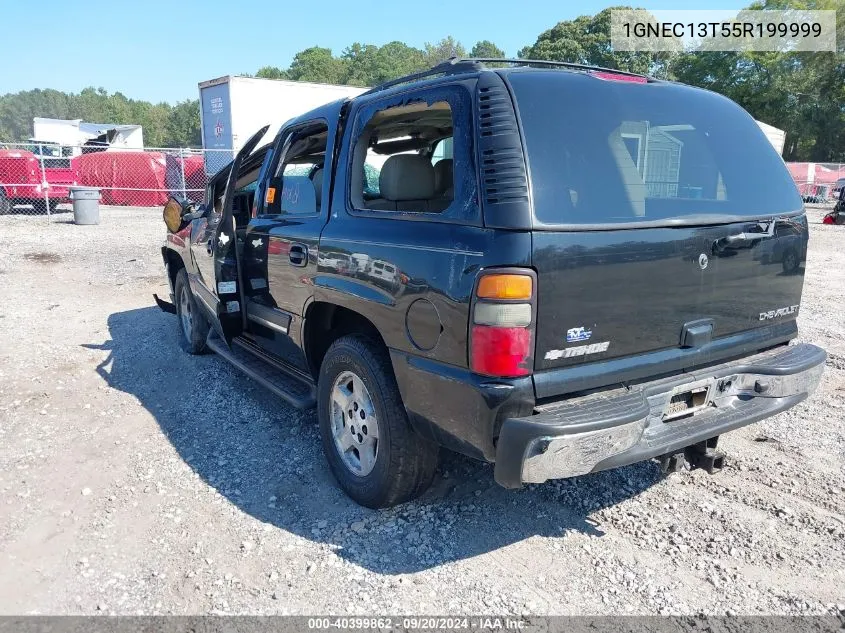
501 351
502 332
619 77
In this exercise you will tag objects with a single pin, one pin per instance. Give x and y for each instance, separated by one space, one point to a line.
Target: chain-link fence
818 183
38 178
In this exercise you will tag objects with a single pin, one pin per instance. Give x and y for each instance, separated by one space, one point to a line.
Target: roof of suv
458 66
467 68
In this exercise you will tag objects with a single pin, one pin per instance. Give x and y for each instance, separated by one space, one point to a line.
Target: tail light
502 329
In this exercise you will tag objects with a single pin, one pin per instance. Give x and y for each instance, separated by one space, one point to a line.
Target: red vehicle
23 182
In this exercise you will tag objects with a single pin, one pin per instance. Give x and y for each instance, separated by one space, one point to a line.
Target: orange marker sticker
271 195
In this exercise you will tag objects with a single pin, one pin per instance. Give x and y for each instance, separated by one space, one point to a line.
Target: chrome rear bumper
629 424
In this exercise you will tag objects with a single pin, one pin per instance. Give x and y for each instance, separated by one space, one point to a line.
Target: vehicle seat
406 183
317 179
444 178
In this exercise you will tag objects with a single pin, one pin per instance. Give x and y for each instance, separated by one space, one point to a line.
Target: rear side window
398 171
411 156
603 151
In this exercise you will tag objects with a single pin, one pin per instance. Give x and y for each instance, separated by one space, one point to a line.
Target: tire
5 203
192 324
404 462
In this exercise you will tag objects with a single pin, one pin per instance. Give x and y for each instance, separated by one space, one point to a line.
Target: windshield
603 151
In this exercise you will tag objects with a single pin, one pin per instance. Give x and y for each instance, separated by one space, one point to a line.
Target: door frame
230 316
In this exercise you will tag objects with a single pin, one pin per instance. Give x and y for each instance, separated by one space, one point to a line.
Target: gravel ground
137 479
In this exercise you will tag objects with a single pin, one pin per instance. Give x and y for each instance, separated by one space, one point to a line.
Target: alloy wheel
354 424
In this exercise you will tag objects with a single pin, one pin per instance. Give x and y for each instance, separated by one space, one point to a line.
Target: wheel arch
173 263
325 322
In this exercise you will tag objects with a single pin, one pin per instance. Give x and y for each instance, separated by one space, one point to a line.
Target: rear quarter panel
436 267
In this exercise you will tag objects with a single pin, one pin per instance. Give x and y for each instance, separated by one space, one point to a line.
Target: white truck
232 108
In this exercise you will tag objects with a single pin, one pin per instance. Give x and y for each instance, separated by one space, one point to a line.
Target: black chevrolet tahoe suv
553 267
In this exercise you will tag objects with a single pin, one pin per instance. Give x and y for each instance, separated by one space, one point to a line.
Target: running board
278 379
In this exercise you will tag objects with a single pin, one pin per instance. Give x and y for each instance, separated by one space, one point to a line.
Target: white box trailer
233 108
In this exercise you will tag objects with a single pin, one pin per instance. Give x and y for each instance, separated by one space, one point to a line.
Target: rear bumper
610 429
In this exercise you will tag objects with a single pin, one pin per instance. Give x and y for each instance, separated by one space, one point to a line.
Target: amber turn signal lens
505 287
172 215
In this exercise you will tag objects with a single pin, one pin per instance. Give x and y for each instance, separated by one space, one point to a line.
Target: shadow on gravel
266 459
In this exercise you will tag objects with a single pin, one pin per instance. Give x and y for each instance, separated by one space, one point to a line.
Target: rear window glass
603 151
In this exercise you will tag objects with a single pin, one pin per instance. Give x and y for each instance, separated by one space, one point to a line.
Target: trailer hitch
702 455
705 456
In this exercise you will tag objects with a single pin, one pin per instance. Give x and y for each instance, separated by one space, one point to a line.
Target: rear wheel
193 327
5 203
375 455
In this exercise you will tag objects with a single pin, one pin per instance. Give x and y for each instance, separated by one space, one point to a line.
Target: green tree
154 121
586 40
164 125
443 50
801 93
272 72
486 48
318 65
399 59
369 65
362 64
18 110
183 125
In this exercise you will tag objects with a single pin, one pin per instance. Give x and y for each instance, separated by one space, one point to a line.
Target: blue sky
159 50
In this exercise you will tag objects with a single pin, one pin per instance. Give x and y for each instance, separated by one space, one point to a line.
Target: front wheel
375 455
193 327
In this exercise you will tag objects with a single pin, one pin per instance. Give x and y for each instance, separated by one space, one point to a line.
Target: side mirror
177 214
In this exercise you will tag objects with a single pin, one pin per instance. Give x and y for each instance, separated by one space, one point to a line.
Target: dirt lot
137 479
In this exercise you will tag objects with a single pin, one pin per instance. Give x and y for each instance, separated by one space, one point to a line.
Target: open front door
227 254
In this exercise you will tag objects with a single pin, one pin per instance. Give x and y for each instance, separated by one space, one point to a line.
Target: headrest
406 177
317 179
444 177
